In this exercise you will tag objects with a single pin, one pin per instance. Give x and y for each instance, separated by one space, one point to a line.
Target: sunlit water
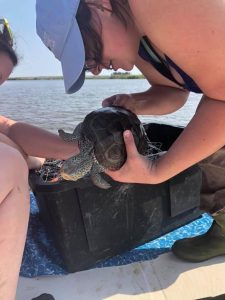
45 104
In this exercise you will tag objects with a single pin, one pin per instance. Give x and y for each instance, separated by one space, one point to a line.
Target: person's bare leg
32 162
14 214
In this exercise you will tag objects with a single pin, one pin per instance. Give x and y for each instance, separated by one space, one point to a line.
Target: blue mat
42 258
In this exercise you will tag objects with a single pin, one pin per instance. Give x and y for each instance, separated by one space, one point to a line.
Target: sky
35 58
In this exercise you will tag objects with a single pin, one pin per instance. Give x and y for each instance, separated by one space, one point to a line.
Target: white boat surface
163 278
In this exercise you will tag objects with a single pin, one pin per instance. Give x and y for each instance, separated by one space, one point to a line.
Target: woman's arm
35 141
203 136
158 100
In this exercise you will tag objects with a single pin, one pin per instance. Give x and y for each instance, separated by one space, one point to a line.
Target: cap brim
73 59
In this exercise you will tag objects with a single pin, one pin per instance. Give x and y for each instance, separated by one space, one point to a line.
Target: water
45 104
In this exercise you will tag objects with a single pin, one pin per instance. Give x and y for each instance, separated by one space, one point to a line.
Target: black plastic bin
90 224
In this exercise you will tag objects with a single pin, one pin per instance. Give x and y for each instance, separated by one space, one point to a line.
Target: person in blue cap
19 144
179 46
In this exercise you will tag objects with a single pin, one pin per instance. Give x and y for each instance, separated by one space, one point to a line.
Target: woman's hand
137 168
124 100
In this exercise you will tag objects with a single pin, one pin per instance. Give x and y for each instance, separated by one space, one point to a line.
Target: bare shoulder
178 16
192 33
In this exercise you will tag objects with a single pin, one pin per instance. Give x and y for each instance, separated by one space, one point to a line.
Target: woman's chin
126 68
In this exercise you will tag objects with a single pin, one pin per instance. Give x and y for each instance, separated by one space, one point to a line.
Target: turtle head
69 170
75 168
67 174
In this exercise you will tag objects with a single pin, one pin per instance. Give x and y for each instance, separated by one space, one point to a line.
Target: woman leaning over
179 46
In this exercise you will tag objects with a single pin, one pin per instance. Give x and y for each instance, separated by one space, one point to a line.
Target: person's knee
14 170
16 164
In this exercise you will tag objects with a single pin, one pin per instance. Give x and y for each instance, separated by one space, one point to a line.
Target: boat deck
163 278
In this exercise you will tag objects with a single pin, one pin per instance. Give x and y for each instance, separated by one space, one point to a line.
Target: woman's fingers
131 148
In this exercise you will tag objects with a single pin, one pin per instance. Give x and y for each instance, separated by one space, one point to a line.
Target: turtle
100 139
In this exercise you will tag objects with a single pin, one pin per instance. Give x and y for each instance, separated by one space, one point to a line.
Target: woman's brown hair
91 36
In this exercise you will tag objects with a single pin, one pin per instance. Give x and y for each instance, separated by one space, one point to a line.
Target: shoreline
113 76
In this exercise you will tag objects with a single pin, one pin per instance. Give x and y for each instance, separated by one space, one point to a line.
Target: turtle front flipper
97 178
71 137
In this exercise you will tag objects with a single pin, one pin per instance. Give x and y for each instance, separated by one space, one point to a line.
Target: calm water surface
45 104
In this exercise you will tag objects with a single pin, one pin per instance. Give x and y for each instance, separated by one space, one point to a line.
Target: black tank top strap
156 60
148 53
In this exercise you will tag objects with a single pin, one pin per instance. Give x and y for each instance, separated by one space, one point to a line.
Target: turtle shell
105 127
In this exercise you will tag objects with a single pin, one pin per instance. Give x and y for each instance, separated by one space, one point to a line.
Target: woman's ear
107 4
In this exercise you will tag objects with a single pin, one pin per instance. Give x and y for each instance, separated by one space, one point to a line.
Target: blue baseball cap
57 27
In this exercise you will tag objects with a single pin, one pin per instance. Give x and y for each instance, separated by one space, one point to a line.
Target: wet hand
137 168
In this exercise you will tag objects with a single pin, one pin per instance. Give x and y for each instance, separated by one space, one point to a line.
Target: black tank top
148 53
